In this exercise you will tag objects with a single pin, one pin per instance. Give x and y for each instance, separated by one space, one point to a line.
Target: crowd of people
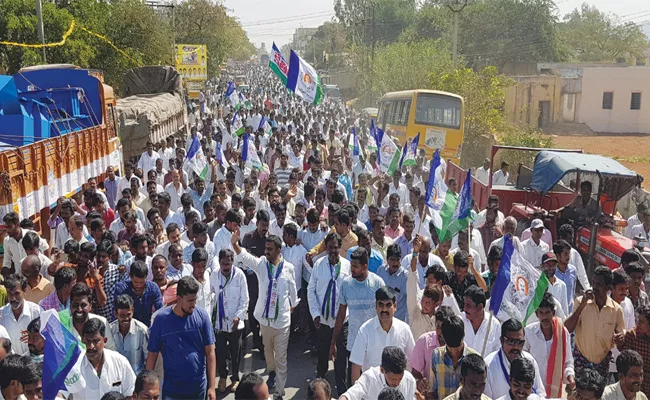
165 274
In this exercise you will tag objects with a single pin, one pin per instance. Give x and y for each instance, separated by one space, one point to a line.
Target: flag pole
487 334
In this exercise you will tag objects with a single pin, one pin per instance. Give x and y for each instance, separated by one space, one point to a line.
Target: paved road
302 368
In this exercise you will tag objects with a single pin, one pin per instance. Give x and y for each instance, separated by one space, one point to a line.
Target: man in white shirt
148 159
501 176
481 329
223 237
391 373
323 290
547 338
131 336
629 366
512 344
534 248
103 370
379 332
398 187
635 219
18 313
556 286
273 309
426 259
643 229
230 312
522 377
175 188
14 251
483 172
493 203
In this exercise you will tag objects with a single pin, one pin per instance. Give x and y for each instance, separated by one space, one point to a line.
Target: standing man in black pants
323 292
254 243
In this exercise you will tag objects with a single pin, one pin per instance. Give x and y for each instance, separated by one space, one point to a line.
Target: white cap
536 224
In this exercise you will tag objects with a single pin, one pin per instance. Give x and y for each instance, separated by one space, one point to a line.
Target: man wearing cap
556 286
483 172
534 247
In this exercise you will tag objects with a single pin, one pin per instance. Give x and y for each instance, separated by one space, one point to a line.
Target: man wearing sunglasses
512 345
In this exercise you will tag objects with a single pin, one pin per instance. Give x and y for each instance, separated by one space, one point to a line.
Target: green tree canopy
330 38
594 36
379 21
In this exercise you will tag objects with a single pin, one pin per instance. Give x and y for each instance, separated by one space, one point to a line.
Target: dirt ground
631 151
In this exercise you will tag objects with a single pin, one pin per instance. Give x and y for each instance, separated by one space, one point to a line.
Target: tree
206 22
375 21
593 36
329 39
494 32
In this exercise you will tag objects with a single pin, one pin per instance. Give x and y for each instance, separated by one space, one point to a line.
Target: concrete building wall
622 82
534 100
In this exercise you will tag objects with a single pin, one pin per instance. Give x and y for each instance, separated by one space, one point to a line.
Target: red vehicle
550 186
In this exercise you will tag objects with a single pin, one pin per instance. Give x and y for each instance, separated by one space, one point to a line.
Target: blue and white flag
456 212
404 151
249 154
264 125
195 159
355 144
412 152
303 80
436 192
232 95
219 156
62 355
237 125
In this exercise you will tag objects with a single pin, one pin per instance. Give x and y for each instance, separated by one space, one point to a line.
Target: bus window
404 112
438 110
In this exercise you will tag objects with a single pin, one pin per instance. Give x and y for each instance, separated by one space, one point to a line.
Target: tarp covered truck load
153 108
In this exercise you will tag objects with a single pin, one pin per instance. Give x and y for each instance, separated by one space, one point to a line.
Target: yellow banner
191 61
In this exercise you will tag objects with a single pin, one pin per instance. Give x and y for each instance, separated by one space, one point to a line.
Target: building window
608 100
635 103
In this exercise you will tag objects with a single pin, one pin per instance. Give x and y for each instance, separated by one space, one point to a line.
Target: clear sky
275 20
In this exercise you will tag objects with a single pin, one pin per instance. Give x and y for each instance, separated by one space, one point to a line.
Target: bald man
38 287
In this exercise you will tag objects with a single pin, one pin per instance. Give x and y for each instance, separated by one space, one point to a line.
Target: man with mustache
278 297
18 313
80 306
629 366
130 335
184 377
35 342
103 370
379 332
512 344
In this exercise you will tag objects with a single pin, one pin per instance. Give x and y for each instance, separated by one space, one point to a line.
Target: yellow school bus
437 116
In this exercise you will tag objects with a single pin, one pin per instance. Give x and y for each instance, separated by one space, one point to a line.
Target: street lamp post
41 31
456 6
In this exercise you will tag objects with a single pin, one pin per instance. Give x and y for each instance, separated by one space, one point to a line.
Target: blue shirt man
375 260
146 297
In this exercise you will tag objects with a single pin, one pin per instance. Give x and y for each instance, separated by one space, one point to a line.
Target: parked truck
153 108
58 130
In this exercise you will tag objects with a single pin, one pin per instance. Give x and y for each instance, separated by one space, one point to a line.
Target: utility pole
156 4
456 6
41 30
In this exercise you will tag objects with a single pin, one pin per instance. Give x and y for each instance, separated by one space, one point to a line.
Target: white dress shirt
176 275
235 293
244 229
163 248
296 256
175 218
401 190
475 340
480 218
422 269
222 240
148 162
310 239
15 327
576 261
546 236
497 384
110 341
372 339
540 349
125 183
638 230
483 175
533 252
116 375
275 229
372 382
558 290
15 252
287 294
175 194
499 178
133 346
532 396
499 243
321 275
631 222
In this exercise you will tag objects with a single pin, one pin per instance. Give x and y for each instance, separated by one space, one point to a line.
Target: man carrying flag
249 154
